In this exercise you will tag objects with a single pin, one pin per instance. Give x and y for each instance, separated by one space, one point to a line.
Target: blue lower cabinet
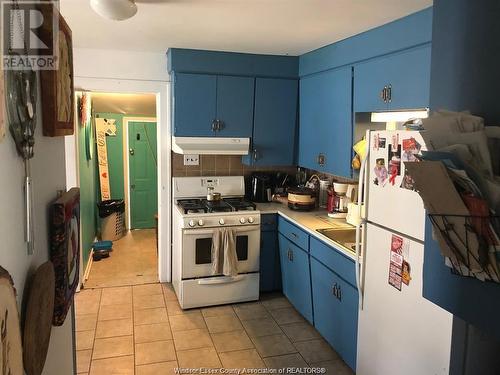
269 261
296 277
335 311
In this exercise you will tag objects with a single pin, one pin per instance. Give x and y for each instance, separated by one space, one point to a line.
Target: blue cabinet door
407 73
410 78
275 119
269 261
326 121
194 104
296 277
335 311
235 97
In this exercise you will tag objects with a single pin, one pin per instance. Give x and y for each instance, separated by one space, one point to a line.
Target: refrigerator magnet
380 172
405 274
381 142
396 262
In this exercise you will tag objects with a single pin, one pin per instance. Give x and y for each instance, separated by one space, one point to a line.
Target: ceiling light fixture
117 10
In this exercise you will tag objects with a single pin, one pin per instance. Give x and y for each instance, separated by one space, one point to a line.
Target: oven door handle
237 230
220 280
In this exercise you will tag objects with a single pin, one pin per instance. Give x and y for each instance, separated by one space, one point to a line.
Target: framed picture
57 87
65 251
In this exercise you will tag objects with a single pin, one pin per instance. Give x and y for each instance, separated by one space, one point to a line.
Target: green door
143 174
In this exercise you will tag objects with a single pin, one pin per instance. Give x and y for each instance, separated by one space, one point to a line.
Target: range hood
210 145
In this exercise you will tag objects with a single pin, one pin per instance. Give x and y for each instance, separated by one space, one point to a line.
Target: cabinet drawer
268 222
331 258
293 233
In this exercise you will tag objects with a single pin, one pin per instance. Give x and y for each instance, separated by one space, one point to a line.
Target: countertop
310 221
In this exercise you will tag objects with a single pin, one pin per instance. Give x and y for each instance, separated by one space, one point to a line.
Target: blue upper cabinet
194 104
208 105
397 81
275 119
325 132
235 106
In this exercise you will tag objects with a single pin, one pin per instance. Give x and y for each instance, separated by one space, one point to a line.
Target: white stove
194 222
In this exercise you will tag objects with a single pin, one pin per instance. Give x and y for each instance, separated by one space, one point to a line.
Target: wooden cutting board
38 319
11 350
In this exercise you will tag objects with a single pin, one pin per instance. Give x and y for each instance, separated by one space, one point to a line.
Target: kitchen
240 126
291 233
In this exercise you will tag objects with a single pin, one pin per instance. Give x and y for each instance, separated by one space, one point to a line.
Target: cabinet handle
290 255
383 94
321 159
214 125
220 125
336 291
255 154
389 93
294 234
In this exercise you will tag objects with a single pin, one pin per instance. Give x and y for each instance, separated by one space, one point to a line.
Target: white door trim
126 160
163 92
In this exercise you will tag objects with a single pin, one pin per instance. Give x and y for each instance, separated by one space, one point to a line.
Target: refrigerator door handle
360 246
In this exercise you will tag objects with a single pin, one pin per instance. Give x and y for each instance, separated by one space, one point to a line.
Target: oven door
197 250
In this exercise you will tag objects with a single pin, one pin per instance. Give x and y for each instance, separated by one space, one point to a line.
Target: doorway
142 169
122 134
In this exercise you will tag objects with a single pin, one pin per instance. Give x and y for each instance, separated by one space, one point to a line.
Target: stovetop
195 205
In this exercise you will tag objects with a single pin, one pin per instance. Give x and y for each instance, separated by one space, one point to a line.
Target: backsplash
219 165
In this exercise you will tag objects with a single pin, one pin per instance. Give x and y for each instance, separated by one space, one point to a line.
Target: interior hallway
142 330
133 261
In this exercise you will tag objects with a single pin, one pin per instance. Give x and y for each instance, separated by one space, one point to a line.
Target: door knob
131 151
132 186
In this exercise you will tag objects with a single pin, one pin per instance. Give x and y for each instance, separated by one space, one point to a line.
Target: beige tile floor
133 261
142 330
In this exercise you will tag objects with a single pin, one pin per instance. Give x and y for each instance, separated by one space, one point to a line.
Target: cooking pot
301 198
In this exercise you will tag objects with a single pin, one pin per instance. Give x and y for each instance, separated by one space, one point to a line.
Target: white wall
48 171
114 64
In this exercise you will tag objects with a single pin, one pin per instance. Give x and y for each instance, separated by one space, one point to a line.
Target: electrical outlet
191 159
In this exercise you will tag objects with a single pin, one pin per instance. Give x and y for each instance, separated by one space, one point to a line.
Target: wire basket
470 244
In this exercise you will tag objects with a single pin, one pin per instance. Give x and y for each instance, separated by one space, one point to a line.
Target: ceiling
284 27
127 104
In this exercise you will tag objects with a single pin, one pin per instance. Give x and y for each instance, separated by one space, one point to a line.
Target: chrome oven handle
220 280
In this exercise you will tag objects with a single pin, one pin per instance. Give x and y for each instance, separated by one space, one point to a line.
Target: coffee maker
261 187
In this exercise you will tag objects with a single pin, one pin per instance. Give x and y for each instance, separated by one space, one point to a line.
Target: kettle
261 187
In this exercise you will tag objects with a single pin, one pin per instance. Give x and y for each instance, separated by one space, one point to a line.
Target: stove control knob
201 223
192 223
250 220
243 220
221 222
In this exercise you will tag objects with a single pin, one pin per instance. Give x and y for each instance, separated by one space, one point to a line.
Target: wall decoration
103 127
11 352
2 107
38 319
65 250
57 87
21 92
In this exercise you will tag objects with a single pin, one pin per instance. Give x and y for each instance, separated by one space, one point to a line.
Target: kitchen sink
345 237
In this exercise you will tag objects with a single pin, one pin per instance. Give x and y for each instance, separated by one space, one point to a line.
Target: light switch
191 159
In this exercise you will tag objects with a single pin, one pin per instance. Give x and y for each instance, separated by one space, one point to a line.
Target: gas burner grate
240 204
217 206
192 206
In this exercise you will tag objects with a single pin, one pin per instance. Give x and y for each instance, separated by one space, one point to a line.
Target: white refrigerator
399 332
